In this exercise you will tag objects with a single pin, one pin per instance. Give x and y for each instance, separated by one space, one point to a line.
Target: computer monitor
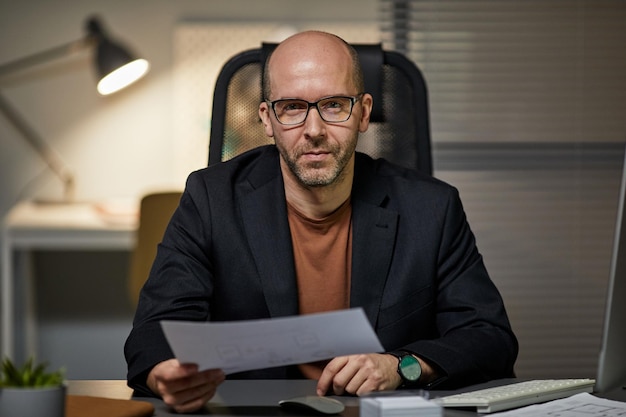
612 364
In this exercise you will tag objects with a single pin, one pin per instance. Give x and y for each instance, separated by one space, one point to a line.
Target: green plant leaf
29 375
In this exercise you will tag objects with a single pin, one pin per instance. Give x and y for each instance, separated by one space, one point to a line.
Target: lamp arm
45 56
47 153
107 51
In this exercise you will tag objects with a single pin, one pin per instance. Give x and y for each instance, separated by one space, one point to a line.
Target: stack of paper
399 407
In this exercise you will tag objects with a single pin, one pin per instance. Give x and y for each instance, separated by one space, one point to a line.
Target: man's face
316 153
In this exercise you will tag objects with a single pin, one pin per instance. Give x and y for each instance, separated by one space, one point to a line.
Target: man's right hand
182 387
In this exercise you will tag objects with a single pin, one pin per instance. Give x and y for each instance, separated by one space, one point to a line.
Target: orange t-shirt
322 250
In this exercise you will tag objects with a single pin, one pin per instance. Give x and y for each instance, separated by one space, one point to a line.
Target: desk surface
234 397
249 398
116 389
66 225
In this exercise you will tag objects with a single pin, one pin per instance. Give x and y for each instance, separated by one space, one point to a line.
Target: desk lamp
115 68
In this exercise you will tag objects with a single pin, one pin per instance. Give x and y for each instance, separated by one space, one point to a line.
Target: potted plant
31 391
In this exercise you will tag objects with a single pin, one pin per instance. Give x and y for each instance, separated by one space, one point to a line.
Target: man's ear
366 110
264 114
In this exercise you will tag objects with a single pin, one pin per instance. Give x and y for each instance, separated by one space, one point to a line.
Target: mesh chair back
399 128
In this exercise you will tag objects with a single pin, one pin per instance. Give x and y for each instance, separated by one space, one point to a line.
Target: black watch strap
409 368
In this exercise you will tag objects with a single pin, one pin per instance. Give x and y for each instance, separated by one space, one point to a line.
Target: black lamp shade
116 67
109 57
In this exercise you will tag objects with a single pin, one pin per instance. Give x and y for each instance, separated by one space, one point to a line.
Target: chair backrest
399 127
155 211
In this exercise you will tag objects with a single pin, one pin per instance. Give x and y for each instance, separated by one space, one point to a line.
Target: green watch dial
410 368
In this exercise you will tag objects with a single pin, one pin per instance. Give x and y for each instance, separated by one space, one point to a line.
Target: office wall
118 147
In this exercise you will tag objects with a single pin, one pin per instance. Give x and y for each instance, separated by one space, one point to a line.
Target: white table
31 226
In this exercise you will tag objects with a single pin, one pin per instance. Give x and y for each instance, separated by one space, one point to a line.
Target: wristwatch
409 368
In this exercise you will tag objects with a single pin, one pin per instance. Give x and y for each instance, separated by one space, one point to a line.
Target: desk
111 388
30 226
244 398
234 397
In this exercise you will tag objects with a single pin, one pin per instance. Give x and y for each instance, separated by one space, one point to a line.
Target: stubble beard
319 174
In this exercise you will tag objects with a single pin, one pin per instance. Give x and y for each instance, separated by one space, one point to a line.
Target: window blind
528 106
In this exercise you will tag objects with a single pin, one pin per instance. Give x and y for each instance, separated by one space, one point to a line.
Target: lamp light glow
123 76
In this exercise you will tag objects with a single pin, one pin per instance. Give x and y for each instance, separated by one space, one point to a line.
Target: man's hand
360 374
182 387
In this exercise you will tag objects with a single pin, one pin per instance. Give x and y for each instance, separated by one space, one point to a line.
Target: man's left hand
359 374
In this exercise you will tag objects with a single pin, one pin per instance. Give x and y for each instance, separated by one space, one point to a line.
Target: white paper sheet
581 405
237 346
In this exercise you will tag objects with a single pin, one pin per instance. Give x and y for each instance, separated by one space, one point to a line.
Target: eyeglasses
334 109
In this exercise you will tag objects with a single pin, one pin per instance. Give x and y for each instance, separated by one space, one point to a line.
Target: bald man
309 225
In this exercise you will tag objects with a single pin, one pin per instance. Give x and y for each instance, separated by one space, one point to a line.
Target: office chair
399 128
155 211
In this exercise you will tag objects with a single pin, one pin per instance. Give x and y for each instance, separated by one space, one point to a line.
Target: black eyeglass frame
353 100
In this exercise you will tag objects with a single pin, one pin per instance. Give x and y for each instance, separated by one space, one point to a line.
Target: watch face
410 368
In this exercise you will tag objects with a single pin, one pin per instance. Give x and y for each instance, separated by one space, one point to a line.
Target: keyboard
517 394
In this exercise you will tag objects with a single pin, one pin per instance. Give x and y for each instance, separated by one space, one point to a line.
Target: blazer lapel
374 233
264 215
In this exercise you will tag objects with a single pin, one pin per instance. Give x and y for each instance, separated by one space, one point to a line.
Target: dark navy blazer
416 271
